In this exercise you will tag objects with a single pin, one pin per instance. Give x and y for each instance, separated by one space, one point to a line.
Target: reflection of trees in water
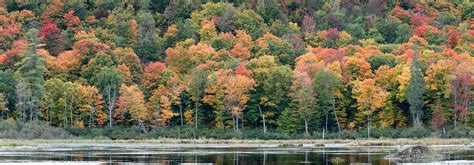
222 156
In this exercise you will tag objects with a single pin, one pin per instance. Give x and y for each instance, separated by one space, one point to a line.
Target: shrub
415 132
31 130
117 132
459 132
172 132
347 135
388 132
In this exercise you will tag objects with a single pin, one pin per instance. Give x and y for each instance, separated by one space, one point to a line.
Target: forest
274 68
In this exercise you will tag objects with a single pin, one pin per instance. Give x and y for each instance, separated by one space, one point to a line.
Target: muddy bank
212 143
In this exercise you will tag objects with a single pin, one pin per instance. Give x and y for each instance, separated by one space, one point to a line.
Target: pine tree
32 69
416 89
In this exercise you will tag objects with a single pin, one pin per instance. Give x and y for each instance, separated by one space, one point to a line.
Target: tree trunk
326 124
335 114
221 118
181 113
233 123
263 118
196 122
306 125
237 123
368 126
111 102
324 133
142 127
65 109
455 104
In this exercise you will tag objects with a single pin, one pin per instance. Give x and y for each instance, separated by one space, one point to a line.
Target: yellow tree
389 80
90 106
161 103
237 91
214 92
162 100
132 101
207 32
370 98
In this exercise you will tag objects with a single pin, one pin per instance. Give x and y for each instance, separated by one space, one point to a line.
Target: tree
272 45
162 100
122 23
23 96
61 102
462 90
101 59
271 91
236 91
52 38
146 45
32 69
125 74
132 100
207 32
370 98
156 75
438 121
394 81
416 90
127 57
326 83
303 94
270 10
90 106
196 88
108 81
8 82
376 61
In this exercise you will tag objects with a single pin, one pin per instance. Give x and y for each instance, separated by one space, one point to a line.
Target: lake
214 154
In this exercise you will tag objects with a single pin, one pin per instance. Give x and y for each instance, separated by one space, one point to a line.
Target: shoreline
234 143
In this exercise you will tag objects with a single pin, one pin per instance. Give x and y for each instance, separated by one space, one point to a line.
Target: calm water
241 156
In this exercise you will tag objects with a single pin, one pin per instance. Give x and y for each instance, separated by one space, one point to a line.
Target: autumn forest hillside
242 68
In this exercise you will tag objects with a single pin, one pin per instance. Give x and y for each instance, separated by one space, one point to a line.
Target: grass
281 143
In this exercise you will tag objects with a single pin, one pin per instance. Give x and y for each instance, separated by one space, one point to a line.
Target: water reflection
234 156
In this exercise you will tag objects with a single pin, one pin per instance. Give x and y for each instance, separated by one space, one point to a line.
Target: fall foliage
290 65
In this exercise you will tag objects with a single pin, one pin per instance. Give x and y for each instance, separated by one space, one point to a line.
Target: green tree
376 61
326 84
146 45
108 81
101 59
416 89
7 87
270 10
32 69
61 102
121 20
303 95
270 96
196 89
404 32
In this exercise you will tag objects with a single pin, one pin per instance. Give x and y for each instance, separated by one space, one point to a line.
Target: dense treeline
289 65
